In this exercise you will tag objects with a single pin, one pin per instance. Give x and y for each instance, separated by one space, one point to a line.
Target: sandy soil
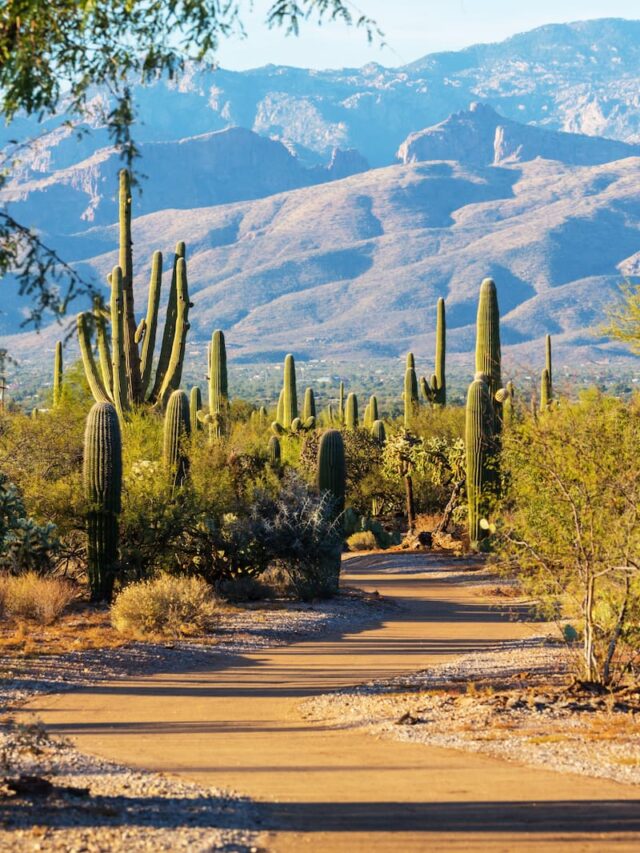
236 724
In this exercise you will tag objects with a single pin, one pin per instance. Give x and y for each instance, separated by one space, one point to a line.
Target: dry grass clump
362 541
166 606
31 596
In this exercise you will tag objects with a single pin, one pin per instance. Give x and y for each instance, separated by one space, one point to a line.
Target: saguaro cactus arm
174 369
91 371
151 322
169 331
119 370
132 357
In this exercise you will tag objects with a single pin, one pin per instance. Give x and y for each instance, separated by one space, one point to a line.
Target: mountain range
325 212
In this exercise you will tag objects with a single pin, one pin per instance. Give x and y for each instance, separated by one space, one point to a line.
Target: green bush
166 606
568 524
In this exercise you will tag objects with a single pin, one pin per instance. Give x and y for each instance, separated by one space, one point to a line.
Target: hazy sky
412 28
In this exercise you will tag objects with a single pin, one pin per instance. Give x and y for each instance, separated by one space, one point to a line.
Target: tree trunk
411 513
589 657
442 525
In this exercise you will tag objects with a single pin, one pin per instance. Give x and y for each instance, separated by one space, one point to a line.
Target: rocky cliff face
581 78
481 137
214 168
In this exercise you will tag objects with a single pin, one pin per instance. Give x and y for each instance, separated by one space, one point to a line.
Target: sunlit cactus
479 444
102 477
57 375
177 430
351 412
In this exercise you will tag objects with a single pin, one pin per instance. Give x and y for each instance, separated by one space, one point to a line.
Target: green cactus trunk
91 371
280 407
102 476
195 406
378 432
341 405
508 405
366 419
351 413
170 325
177 430
218 387
545 390
57 375
479 444
130 348
173 375
274 451
373 409
119 369
290 398
411 362
488 351
309 407
332 478
411 398
151 322
440 389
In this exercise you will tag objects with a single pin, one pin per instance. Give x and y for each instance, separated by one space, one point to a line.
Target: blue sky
412 28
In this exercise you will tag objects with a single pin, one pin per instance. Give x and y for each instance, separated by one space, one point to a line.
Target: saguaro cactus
479 443
411 399
218 386
378 432
331 468
195 406
274 451
102 476
545 390
57 375
309 408
119 369
134 379
177 429
351 412
290 396
547 348
488 352
341 412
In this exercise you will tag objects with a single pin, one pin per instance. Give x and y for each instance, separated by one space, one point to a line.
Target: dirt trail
237 726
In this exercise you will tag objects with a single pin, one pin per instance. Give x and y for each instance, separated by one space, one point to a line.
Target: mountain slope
582 77
354 267
483 137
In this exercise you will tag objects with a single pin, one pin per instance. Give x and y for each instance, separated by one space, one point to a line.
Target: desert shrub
362 541
165 606
568 525
25 545
30 596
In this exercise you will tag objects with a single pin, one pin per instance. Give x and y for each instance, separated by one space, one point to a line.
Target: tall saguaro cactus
218 386
545 390
131 346
332 477
341 412
378 432
488 351
411 398
479 444
547 348
290 396
351 412
441 349
102 476
57 375
177 430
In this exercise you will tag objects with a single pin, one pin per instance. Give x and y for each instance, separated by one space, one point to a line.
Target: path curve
236 725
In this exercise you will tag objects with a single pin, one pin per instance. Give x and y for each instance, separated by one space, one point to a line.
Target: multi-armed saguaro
124 377
287 418
435 389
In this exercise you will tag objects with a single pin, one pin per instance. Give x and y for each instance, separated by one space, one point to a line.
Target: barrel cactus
177 430
102 477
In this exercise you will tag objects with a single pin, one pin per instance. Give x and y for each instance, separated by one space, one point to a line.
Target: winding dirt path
237 726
